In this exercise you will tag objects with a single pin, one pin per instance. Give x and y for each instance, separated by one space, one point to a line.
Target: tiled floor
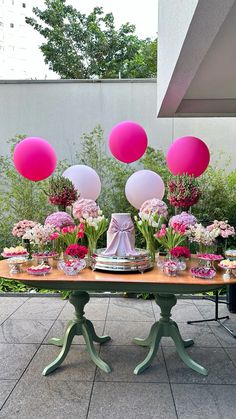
168 389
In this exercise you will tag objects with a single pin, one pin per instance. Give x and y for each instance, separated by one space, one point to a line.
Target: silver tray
139 263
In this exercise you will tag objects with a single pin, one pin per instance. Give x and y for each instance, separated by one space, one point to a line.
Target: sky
141 13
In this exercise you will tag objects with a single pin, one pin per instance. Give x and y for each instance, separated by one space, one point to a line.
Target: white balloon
144 185
85 180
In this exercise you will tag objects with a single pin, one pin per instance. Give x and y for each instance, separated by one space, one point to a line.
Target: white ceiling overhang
196 58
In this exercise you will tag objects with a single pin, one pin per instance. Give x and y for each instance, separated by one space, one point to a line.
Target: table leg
77 327
168 328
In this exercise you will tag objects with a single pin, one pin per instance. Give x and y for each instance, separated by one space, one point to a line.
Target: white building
20 56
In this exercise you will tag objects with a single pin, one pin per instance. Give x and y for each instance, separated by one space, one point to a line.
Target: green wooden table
163 287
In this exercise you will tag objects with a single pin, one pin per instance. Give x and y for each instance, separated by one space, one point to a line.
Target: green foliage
218 200
78 46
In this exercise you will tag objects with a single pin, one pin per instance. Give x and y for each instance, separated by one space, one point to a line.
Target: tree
83 46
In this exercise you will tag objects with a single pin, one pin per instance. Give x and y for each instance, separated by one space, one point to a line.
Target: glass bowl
202 272
40 270
73 267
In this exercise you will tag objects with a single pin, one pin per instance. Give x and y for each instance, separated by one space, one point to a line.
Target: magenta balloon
34 158
144 185
128 141
188 155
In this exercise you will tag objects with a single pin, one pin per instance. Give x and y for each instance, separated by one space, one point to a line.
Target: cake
14 251
121 236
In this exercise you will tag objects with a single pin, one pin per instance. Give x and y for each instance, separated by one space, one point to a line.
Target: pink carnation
85 208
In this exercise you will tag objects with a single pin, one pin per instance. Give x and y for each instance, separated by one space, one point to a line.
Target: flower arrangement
59 219
170 237
95 224
223 229
39 234
68 235
180 252
93 229
20 228
76 251
151 214
85 208
201 235
61 192
184 191
184 218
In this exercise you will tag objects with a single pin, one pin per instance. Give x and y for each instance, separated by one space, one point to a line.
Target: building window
24 5
12 2
1 23
11 25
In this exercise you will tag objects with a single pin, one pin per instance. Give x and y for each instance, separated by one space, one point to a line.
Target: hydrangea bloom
59 219
86 208
184 218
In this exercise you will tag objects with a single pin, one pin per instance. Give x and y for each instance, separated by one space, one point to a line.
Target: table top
154 276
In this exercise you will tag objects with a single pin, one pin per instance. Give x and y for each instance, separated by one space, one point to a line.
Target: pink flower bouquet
59 219
20 228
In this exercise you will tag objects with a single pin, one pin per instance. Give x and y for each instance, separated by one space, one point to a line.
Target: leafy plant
77 46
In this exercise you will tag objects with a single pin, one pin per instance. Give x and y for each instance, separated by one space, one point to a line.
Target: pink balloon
85 180
128 141
188 155
144 185
34 158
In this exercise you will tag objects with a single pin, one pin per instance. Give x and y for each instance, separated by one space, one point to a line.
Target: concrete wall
60 111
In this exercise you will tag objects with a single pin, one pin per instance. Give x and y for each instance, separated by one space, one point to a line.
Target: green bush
21 198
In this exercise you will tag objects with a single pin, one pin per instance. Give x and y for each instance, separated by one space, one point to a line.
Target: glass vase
150 246
27 245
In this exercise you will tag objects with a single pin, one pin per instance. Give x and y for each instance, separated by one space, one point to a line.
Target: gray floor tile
181 313
203 302
14 358
6 387
130 310
123 333
76 366
232 354
8 305
208 311
99 300
24 331
204 401
221 369
93 311
225 339
58 330
182 301
40 309
201 334
131 401
123 360
40 399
